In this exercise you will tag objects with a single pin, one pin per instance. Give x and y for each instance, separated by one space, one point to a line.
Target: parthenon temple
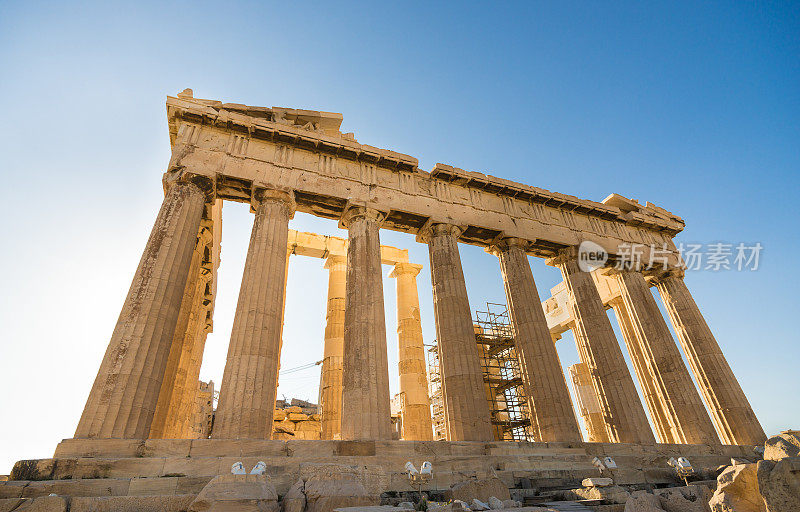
281 161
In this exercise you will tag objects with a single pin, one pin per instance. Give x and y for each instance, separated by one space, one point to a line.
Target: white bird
413 474
426 471
238 469
259 468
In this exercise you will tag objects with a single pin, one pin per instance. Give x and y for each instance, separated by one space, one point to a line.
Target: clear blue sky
692 106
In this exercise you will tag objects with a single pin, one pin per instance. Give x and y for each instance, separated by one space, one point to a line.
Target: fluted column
465 406
249 383
623 413
735 420
655 405
162 426
588 404
184 396
682 404
552 417
366 413
123 399
331 384
413 375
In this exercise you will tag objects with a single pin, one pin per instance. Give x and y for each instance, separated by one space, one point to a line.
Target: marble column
366 412
416 411
735 420
623 413
162 425
655 405
331 385
588 404
465 406
552 416
249 382
125 392
682 405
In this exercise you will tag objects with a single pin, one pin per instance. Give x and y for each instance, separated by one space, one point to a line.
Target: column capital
261 193
354 211
503 244
335 259
405 268
564 255
657 277
431 229
180 174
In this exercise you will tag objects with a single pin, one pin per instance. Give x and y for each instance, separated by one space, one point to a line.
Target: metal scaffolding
505 394
435 392
502 378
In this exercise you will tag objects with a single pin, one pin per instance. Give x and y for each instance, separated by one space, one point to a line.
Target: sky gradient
692 106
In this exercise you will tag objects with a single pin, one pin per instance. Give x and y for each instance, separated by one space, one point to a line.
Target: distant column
249 383
161 426
331 384
366 412
647 384
413 376
465 406
735 420
552 416
588 404
682 404
623 413
124 396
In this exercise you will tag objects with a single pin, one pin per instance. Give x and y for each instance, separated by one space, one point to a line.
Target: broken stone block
779 484
511 504
477 504
692 498
494 503
241 493
643 501
279 415
330 486
737 490
295 499
481 489
611 494
785 444
597 482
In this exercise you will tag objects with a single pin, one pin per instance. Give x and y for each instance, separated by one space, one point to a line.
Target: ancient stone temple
134 437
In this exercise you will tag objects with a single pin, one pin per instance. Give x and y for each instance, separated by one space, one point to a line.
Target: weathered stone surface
643 501
737 490
237 493
597 482
785 444
692 498
330 486
477 504
479 488
44 504
179 503
779 484
611 494
495 503
9 504
295 498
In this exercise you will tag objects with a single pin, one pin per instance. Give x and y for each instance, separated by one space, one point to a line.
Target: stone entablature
327 171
